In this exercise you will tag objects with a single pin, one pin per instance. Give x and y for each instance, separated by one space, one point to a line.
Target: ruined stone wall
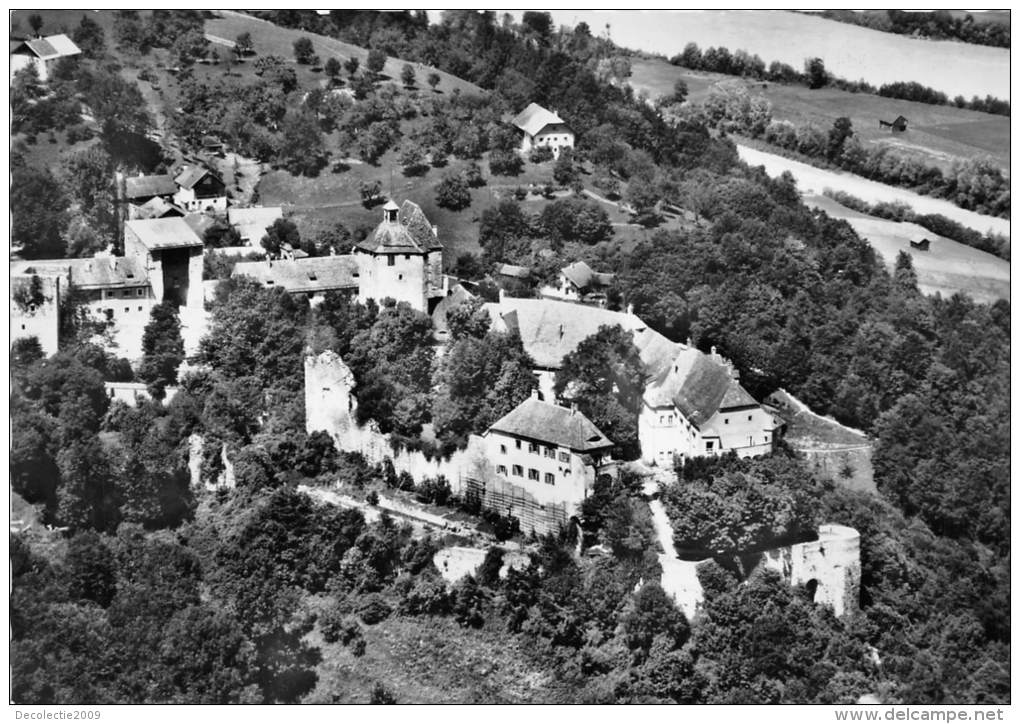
833 562
330 406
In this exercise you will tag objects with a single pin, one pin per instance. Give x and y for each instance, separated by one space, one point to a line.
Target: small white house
42 53
199 189
578 282
543 128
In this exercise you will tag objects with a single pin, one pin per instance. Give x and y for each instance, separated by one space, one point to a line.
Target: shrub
541 154
452 193
505 163
374 609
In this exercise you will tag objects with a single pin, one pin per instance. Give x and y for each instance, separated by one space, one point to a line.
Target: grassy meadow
937 135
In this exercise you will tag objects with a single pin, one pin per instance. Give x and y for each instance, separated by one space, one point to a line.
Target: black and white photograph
510 357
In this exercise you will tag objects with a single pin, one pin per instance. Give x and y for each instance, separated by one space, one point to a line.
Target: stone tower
402 259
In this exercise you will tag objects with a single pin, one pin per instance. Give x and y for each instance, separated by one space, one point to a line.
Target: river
816 180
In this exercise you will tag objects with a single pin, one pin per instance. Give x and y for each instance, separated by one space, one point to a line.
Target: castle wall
42 320
330 406
833 562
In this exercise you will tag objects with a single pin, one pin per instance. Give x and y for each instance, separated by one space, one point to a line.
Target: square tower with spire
402 259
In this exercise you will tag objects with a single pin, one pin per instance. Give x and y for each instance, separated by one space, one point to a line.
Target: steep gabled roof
191 175
534 118
583 276
52 46
698 385
157 207
139 187
411 233
552 424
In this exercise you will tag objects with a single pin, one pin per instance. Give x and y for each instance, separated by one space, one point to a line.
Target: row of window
518 471
112 293
535 448
668 419
109 312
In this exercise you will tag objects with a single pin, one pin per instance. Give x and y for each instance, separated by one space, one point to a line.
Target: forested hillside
160 592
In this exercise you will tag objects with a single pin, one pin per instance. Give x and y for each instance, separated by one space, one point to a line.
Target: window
139 292
564 457
709 445
550 479
748 417
139 309
518 444
23 326
125 293
669 419
502 449
400 277
726 420
532 474
127 309
391 260
532 448
662 419
407 257
501 469
518 471
550 453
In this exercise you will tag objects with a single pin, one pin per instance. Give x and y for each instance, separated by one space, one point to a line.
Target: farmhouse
578 282
542 127
552 452
311 277
513 271
402 259
42 53
199 189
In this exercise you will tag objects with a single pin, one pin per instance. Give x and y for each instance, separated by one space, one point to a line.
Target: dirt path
811 180
679 578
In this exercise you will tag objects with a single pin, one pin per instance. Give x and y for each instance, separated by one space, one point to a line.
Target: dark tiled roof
552 424
411 233
157 208
191 175
140 187
698 385
312 274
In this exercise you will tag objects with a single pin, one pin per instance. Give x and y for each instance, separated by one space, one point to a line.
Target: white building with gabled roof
542 127
554 453
42 53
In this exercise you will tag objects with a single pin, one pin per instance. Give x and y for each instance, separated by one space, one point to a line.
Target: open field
946 268
815 180
849 51
935 134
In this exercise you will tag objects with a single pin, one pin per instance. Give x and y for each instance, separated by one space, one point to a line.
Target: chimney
573 408
534 393
690 343
630 308
502 295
